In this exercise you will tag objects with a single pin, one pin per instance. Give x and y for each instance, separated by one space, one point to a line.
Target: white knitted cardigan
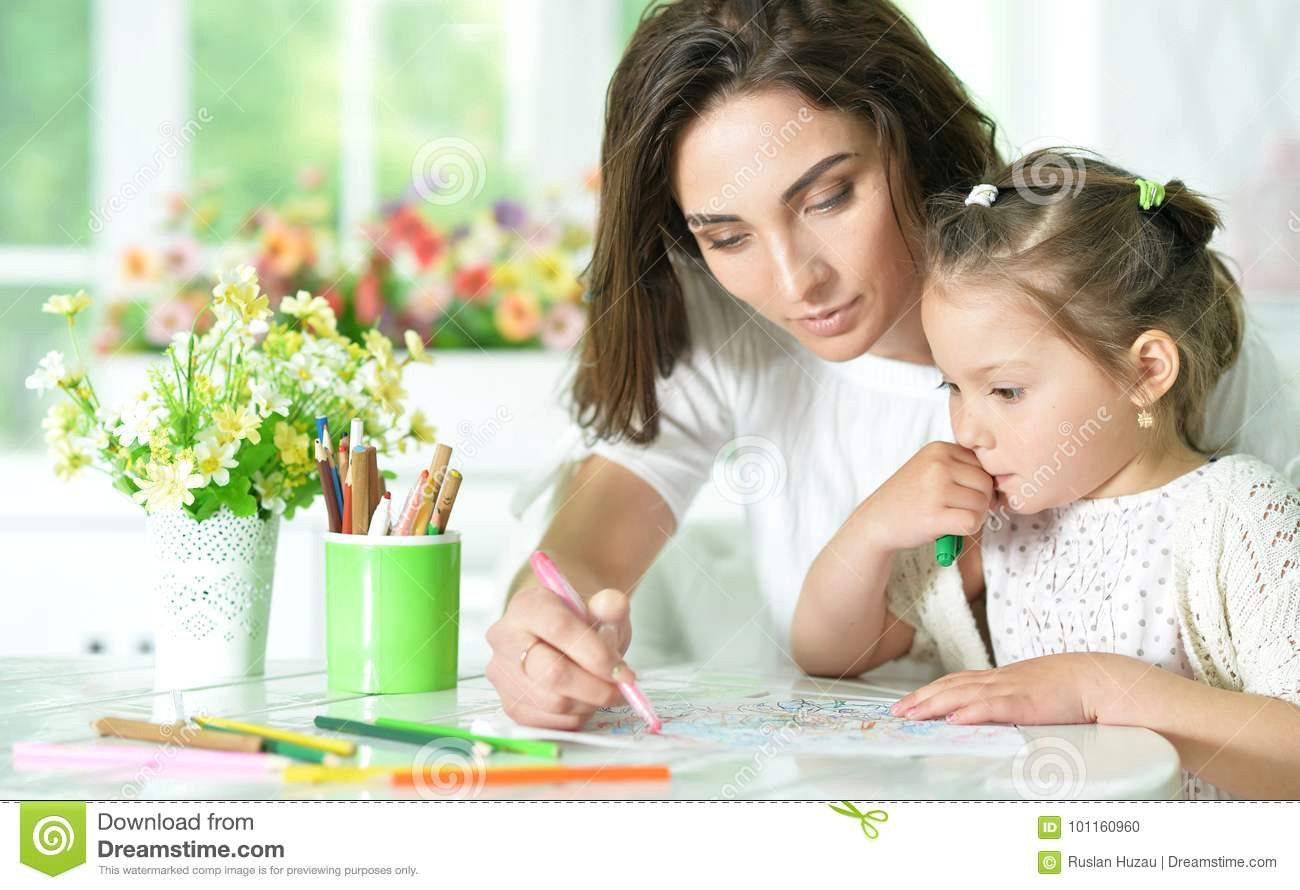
1236 559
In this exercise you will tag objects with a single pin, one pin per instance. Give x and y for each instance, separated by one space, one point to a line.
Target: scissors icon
864 819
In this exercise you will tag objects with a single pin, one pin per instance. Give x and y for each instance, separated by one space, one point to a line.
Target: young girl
1120 571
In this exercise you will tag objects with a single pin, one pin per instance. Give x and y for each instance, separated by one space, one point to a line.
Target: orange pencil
532 775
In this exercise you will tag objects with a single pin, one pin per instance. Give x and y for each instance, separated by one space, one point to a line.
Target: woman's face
790 205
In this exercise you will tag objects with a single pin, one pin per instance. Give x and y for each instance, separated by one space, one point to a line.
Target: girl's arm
842 625
1245 743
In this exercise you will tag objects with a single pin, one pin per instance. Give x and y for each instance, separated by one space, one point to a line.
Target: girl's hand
1051 689
571 667
942 490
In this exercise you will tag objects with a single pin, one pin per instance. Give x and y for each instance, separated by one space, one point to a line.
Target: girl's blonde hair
1067 230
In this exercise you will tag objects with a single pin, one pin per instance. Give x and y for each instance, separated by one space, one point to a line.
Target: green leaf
205 504
237 497
253 457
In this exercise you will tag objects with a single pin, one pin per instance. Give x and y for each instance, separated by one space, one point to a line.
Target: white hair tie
983 195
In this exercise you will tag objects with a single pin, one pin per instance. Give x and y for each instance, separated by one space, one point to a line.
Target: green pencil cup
392 612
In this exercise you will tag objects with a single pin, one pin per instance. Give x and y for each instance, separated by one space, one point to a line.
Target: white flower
214 460
139 419
49 373
66 304
268 491
167 486
305 368
267 401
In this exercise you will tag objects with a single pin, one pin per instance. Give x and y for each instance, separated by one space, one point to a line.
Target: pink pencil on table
557 584
104 755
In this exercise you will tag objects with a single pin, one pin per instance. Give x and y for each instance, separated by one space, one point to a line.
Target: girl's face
1045 421
790 206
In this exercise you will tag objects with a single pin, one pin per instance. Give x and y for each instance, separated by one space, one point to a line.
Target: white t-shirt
801 441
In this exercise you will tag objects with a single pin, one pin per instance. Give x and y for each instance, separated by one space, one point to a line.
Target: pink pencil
109 755
555 582
406 518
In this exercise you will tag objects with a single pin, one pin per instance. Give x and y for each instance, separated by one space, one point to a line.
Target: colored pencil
178 733
360 491
522 746
332 746
437 471
388 733
347 501
327 489
108 755
532 775
446 500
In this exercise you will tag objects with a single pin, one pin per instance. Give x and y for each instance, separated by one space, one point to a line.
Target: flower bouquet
217 446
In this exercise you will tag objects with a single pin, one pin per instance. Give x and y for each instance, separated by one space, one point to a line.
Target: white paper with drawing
788 723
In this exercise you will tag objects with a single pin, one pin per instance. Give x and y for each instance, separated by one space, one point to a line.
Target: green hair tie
1150 193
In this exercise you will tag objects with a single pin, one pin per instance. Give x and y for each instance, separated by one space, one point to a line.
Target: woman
754 289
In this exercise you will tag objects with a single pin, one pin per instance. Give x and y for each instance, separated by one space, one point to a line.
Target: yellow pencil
331 746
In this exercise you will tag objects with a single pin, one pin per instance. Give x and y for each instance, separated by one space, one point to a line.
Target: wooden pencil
376 480
360 492
446 500
327 489
437 471
179 733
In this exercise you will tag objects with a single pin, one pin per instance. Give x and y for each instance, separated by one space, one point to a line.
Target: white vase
211 596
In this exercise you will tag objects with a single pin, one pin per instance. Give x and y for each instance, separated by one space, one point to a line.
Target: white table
55 699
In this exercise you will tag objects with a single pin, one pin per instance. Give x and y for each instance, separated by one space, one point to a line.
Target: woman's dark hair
1067 232
860 56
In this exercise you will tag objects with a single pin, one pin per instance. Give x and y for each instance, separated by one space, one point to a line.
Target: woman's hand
571 666
1051 689
942 490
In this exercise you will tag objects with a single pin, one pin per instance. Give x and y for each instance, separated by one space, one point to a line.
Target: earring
1145 419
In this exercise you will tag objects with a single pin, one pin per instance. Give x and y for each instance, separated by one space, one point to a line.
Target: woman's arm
608 529
1247 744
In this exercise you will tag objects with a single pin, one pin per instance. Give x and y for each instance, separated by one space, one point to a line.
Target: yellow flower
234 424
415 348
291 443
314 312
421 429
507 275
378 345
237 291
386 388
66 304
